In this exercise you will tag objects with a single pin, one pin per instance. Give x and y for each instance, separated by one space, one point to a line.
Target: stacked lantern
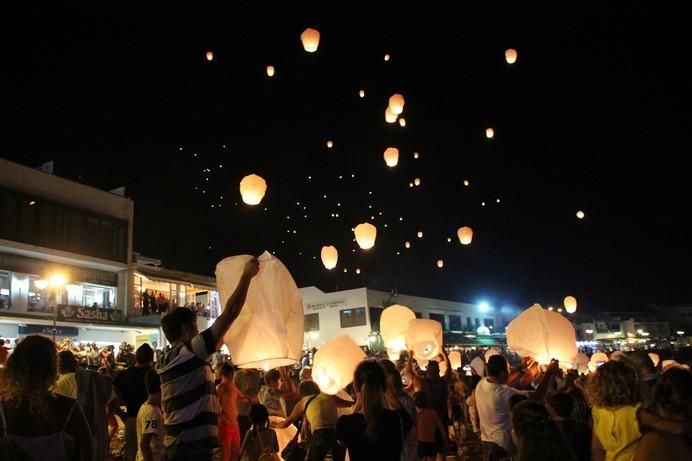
424 338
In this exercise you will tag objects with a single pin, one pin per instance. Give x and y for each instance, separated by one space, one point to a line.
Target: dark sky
591 117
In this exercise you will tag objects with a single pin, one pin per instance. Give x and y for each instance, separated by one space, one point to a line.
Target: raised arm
415 379
448 371
289 390
542 389
235 303
293 417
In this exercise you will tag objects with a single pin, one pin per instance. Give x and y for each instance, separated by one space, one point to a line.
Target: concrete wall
328 306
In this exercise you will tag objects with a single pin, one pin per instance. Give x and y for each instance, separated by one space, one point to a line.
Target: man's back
492 404
130 384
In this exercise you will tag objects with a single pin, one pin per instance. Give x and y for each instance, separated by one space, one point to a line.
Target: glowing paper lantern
466 182
669 364
489 133
366 234
416 155
391 156
407 244
442 366
570 303
285 435
361 93
402 122
210 55
465 235
542 335
394 323
416 181
492 351
510 55
357 270
386 57
389 116
599 357
252 189
654 358
580 214
424 338
420 234
334 364
455 359
581 363
268 333
270 71
329 256
592 366
440 263
393 355
310 39
396 103
478 366
330 144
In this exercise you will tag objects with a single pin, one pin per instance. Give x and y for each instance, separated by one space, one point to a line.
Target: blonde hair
615 383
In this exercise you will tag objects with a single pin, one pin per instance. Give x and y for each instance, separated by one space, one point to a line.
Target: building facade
618 326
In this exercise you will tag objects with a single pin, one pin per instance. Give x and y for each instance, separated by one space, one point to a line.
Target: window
490 323
469 325
440 318
455 323
352 317
98 296
477 322
4 290
311 322
375 314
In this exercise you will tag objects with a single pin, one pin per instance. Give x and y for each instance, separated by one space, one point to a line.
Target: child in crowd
260 442
150 421
428 422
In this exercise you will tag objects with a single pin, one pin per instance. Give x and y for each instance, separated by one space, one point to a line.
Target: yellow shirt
66 385
321 412
618 431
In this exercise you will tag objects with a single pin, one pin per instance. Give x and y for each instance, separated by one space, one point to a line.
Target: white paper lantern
581 363
389 116
252 189
391 156
416 181
268 333
654 358
393 355
210 55
386 57
510 55
285 435
394 323
570 303
366 234
489 133
334 364
440 263
330 144
478 365
329 256
396 103
310 39
361 93
580 214
492 351
543 335
420 234
270 71
455 359
402 122
407 244
599 357
465 235
424 338
593 366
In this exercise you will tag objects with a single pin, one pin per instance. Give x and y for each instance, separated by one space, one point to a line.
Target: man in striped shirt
188 394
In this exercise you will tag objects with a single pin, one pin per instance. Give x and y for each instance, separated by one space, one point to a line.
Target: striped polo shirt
188 397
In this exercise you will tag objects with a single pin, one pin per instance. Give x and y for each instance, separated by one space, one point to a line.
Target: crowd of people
174 405
158 303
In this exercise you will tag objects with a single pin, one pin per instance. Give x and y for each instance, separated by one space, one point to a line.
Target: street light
56 281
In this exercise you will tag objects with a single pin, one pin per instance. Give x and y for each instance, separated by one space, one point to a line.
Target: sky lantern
358 270
268 332
424 338
543 335
442 368
210 55
510 55
420 234
366 234
465 235
440 263
391 156
310 39
410 184
570 303
389 116
329 257
455 360
402 122
599 357
407 244
416 181
270 71
386 57
416 155
252 189
489 133
494 350
330 144
580 214
394 325
396 103
335 362
654 358
361 93
466 182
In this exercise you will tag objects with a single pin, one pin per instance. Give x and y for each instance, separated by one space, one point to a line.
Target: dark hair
433 368
173 322
30 372
497 364
421 399
308 388
66 362
227 370
259 414
538 435
369 380
272 376
562 404
473 381
144 354
394 383
516 399
643 361
672 393
152 381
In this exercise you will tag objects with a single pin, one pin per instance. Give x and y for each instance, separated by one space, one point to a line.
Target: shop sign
70 313
47 330
331 304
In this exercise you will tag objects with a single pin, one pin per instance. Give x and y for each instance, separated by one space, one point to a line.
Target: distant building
634 326
679 318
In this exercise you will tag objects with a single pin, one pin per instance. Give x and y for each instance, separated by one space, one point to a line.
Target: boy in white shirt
150 421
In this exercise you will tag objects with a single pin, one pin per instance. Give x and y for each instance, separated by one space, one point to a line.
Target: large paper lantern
389 116
329 257
283 435
268 332
210 55
654 358
310 39
599 357
510 55
270 71
396 103
455 359
478 365
489 133
570 303
391 156
366 234
424 338
252 189
394 323
334 364
465 235
490 352
543 335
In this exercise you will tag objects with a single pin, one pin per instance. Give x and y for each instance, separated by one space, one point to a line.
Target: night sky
591 117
